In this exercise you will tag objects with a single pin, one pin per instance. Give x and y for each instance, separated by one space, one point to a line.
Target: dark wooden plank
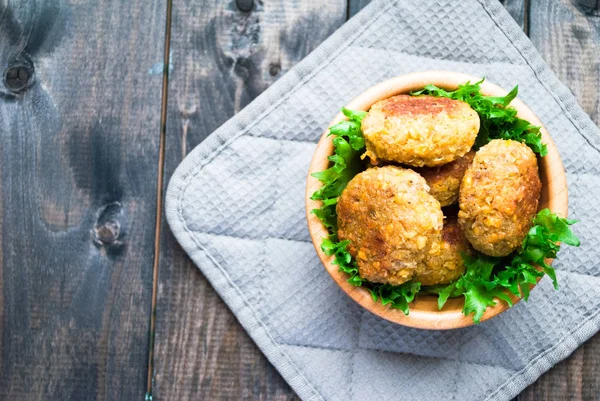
354 6
591 6
222 59
569 40
574 379
519 10
77 196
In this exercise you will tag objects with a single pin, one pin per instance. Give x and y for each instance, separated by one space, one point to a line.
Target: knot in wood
590 5
274 69
108 232
18 76
245 5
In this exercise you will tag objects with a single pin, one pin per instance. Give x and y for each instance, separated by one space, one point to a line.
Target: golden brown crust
419 130
391 222
444 181
401 105
444 263
499 196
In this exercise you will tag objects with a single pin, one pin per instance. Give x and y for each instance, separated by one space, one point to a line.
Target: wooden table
97 299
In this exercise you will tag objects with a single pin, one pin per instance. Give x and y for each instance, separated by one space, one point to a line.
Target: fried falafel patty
391 221
499 196
444 181
419 130
444 263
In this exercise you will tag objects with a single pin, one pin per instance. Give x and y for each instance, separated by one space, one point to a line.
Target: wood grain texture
354 6
519 10
77 197
222 59
568 37
592 6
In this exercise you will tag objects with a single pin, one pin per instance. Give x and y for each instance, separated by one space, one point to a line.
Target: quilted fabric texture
236 205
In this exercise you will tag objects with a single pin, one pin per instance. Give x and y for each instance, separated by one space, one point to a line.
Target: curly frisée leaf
498 119
555 228
348 142
346 263
354 115
488 277
397 296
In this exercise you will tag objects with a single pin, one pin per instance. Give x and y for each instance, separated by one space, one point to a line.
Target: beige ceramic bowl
424 313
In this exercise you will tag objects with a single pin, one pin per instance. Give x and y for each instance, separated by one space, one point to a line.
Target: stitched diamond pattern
442 30
289 308
336 365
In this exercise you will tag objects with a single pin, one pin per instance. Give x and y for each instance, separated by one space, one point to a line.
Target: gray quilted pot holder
236 205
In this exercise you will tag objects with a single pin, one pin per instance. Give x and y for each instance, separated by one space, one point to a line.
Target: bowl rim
424 313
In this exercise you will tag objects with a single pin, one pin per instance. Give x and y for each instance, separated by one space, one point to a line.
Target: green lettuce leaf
398 296
349 143
498 119
487 278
